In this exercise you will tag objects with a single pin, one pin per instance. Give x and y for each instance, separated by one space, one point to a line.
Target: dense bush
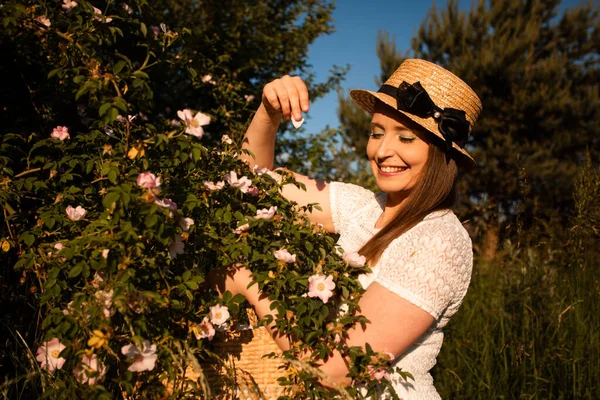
118 200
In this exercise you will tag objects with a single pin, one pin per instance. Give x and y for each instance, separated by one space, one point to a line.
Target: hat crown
444 88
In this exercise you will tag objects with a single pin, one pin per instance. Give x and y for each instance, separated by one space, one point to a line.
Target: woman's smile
389 170
396 152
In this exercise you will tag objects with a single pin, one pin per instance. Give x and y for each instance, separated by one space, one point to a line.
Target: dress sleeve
346 200
430 266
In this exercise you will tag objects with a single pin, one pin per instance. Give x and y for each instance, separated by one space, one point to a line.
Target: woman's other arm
395 323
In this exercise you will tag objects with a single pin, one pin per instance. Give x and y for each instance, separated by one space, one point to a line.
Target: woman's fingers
288 96
302 93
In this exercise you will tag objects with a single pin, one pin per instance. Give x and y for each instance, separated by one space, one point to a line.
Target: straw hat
432 97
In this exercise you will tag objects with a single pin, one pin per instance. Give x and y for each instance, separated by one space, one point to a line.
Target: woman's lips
391 170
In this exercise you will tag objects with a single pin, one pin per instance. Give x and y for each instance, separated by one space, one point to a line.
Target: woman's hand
287 96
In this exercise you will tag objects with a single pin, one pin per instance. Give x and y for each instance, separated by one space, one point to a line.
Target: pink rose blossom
58 246
130 118
167 203
241 229
214 187
218 314
42 19
242 183
226 139
194 124
98 16
127 9
105 253
143 360
261 171
354 259
75 214
60 133
253 191
148 180
185 223
68 5
89 370
48 355
204 330
321 287
97 280
266 213
208 79
249 97
285 256
379 373
176 247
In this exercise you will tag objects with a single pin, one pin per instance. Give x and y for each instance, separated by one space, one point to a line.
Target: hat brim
367 100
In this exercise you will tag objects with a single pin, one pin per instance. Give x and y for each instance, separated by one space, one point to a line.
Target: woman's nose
385 147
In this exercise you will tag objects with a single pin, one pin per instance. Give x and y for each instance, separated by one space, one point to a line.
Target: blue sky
357 23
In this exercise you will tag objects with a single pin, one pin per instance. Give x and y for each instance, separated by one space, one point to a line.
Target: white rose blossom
218 314
194 124
48 355
266 213
285 256
144 359
76 214
242 183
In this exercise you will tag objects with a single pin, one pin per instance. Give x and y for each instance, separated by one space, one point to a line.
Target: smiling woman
421 256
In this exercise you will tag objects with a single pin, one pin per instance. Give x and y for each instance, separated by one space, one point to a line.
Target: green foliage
132 268
529 327
536 74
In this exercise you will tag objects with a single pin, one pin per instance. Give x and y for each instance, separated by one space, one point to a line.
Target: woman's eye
405 139
375 135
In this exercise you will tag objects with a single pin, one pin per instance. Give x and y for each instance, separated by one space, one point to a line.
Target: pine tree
537 75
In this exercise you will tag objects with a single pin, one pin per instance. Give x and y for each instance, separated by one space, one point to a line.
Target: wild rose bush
114 214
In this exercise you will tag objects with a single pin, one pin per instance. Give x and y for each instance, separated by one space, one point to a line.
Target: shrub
117 204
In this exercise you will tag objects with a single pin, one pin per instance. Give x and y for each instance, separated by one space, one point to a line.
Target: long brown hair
435 190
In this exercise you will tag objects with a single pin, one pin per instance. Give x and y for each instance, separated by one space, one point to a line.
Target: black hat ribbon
414 99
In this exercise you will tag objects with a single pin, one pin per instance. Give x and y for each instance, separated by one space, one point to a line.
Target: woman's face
397 153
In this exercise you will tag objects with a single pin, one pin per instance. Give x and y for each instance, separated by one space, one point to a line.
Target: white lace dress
429 265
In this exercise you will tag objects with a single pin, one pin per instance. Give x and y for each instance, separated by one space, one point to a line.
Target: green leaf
75 271
186 275
120 104
150 220
103 108
309 247
112 176
140 74
111 115
109 199
27 238
143 29
119 67
56 71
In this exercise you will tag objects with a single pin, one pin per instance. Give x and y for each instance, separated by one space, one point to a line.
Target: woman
420 253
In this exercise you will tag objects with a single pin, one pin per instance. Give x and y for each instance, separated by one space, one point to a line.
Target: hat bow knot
414 99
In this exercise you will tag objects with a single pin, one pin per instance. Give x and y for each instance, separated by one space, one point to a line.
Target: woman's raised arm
287 98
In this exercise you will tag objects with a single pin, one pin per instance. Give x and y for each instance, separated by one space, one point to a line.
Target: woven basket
245 373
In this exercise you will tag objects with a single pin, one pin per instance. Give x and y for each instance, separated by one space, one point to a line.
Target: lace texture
429 265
